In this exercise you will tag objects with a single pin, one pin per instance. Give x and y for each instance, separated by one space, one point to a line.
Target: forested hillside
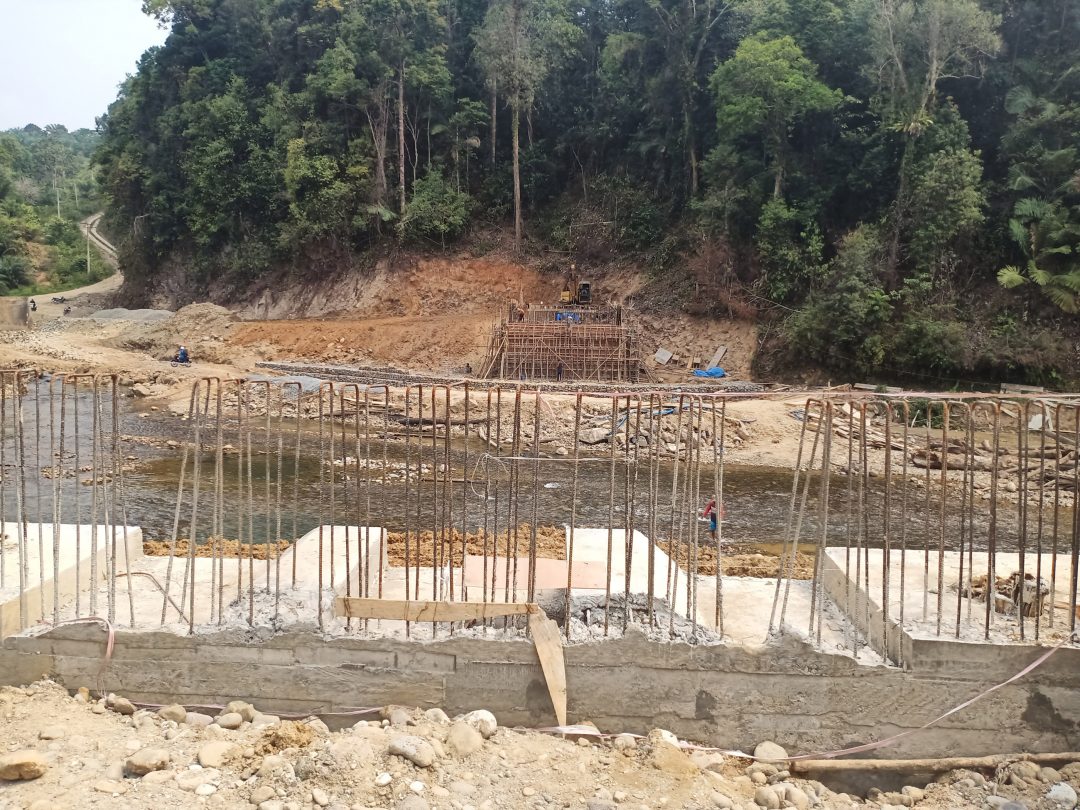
893 185
47 184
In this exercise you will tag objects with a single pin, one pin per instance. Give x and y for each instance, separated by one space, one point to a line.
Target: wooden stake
548 641
826 766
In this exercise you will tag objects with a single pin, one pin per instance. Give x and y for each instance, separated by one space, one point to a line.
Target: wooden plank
1010 388
548 641
717 357
926 765
884 389
355 607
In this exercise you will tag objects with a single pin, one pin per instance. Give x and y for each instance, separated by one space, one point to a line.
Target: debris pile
202 328
67 752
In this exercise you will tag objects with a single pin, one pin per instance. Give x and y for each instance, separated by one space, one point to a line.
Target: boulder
22 765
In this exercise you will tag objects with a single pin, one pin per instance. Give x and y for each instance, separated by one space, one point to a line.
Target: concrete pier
731 689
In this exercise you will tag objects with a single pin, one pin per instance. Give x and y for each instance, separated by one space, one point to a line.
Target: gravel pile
137 315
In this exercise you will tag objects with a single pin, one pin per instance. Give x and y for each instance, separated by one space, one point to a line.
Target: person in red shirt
712 513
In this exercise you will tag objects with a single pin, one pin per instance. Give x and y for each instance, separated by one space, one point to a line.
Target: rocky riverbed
62 752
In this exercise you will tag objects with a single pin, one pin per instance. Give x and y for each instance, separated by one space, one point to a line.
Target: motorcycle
58 299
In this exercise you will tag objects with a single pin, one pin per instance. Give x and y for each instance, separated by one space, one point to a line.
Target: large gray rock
415 749
793 795
230 720
145 760
483 721
436 716
770 752
1063 795
175 712
215 754
193 780
594 435
263 793
766 797
242 708
463 739
123 706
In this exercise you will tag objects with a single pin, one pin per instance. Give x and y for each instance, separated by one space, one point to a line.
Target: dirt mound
121 314
550 544
740 563
442 343
287 734
216 547
461 285
203 328
425 314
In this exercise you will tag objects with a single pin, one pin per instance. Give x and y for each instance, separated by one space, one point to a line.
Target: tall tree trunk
401 136
379 124
778 179
693 170
691 149
515 126
900 209
494 100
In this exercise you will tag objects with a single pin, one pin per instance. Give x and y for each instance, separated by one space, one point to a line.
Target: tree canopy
921 152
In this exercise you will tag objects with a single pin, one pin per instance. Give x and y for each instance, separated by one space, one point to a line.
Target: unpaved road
47 310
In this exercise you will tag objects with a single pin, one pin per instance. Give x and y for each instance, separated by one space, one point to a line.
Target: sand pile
203 328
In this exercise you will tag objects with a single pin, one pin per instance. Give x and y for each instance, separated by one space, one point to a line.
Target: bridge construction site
337 545
574 340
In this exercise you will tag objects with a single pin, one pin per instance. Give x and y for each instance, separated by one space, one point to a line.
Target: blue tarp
713 373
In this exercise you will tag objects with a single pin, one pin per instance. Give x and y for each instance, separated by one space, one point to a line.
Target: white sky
61 61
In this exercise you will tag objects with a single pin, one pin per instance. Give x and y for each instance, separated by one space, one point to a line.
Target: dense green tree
871 165
762 92
519 44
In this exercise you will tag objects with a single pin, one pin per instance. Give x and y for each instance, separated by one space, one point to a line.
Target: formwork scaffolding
563 350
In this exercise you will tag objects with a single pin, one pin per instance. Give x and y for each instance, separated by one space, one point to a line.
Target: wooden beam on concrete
545 632
406 610
548 641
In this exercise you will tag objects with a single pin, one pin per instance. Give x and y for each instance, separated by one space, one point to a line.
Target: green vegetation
886 181
47 185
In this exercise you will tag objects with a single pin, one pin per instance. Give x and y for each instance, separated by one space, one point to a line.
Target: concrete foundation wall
727 696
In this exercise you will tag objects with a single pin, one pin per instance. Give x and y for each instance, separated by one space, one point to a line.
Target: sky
62 61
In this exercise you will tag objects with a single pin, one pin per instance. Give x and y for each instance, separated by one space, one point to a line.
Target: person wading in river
712 513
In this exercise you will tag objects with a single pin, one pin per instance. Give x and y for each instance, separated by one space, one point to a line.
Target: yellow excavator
576 293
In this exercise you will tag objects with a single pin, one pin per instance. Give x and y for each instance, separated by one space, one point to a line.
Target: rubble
293 765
